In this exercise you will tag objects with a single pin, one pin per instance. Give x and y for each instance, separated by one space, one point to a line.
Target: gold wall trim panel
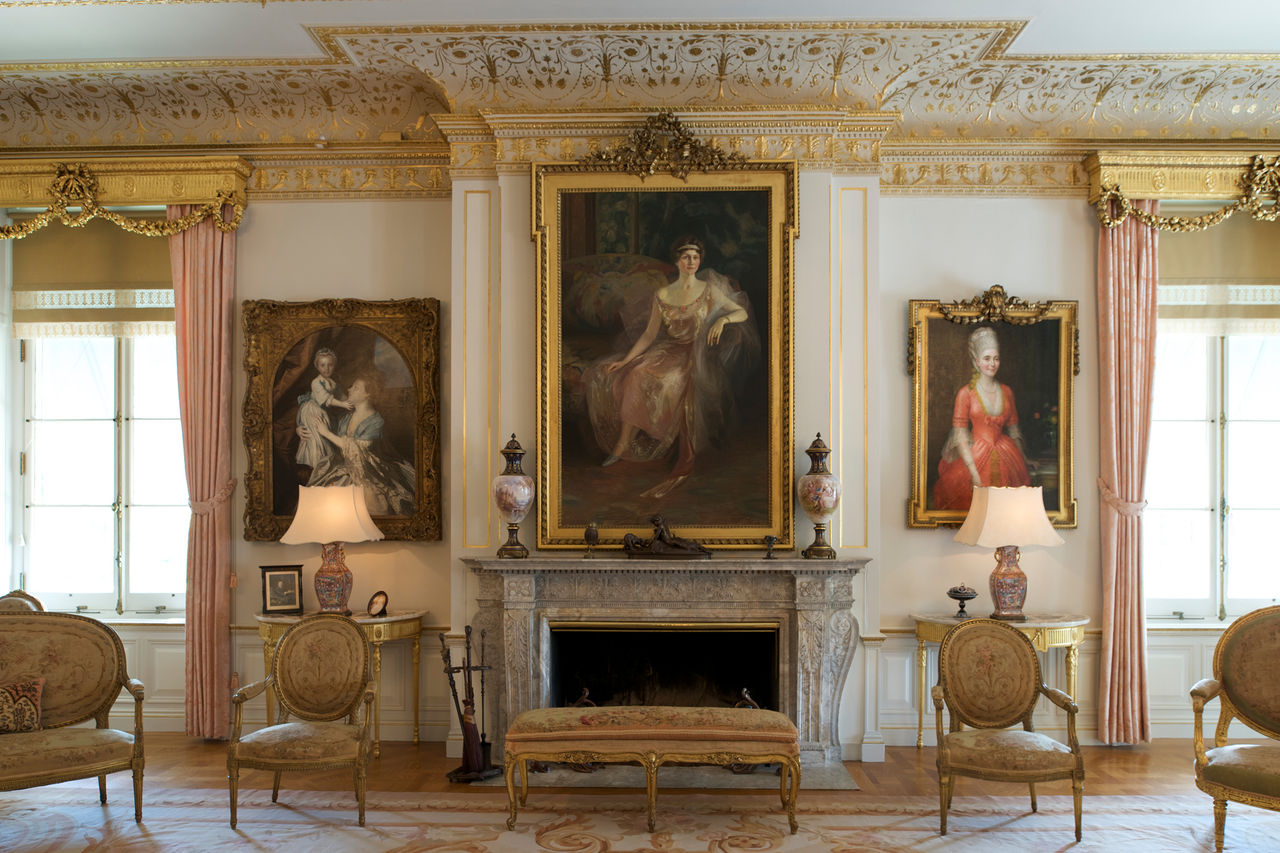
129 181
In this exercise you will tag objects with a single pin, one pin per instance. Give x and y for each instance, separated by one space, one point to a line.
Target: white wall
954 249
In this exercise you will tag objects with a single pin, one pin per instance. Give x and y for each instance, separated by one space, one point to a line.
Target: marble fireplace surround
810 600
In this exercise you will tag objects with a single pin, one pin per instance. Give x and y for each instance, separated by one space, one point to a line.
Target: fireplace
700 664
804 605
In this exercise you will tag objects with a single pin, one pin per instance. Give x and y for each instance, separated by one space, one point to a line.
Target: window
105 497
1213 504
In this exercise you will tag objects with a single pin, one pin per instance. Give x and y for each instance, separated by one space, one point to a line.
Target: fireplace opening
690 664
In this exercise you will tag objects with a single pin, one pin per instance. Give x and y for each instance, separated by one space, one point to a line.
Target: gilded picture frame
1039 357
374 418
605 236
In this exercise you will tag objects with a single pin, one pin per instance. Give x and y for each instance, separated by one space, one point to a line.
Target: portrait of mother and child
342 404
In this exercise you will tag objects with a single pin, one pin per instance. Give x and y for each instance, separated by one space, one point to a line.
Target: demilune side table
396 625
1045 630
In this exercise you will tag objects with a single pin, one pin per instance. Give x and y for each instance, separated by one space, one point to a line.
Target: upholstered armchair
320 677
1245 685
19 601
989 680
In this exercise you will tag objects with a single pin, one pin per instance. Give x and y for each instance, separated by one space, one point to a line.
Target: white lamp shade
1002 516
331 514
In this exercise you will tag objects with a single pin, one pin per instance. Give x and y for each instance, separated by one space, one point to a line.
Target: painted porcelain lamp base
333 580
1008 585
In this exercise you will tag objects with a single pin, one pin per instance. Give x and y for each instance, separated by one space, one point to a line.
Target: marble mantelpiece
809 600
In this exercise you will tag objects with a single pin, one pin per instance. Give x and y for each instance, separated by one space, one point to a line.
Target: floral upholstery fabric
20 706
660 729
62 751
82 664
301 741
1007 749
991 680
320 669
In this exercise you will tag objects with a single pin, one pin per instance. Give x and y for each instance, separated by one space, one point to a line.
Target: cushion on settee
598 287
20 706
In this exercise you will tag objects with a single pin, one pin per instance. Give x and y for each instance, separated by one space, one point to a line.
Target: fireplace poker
483 735
449 671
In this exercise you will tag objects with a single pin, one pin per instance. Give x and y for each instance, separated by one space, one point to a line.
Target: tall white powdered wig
981 339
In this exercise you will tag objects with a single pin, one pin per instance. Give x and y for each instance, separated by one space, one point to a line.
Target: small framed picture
378 604
282 590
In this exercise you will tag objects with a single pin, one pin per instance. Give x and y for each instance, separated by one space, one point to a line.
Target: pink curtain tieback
1113 500
220 497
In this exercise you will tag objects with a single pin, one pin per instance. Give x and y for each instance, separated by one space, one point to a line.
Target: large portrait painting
665 373
992 403
343 392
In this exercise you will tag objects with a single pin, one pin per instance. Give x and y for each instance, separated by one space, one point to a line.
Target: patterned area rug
68 818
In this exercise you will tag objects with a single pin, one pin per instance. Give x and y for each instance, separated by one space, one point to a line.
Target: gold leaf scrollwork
995 306
1261 185
663 144
75 203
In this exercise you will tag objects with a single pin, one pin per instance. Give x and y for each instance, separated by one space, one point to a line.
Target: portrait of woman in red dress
984 447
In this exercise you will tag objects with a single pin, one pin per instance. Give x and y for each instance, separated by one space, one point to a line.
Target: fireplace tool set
476 757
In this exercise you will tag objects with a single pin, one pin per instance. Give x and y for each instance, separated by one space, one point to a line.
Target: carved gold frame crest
600 225
1039 359
402 333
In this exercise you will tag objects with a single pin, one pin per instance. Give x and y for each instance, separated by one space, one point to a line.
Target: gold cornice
1169 174
130 181
815 137
967 168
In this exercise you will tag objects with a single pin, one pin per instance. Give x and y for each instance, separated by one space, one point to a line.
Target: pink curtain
203 262
1126 364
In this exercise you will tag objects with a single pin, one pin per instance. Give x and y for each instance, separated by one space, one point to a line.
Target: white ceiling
61 31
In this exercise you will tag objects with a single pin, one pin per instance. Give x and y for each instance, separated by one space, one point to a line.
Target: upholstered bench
652 736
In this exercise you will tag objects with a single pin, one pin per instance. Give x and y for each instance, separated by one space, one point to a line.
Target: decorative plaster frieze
962 168
338 175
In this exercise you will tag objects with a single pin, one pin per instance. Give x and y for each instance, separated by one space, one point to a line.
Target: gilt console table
809 601
1045 630
396 625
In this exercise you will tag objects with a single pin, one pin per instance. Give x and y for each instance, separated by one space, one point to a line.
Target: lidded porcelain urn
513 496
819 496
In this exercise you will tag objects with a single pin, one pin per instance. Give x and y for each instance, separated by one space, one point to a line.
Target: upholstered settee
58 670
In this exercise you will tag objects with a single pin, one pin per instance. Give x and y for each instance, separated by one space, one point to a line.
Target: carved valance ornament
663 144
78 193
1145 177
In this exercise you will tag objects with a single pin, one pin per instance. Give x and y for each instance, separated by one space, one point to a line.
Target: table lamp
330 516
1004 519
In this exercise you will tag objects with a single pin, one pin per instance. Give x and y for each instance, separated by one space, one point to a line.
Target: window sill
142 619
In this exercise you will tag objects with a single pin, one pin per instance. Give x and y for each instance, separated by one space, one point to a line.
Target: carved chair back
1244 662
321 667
989 673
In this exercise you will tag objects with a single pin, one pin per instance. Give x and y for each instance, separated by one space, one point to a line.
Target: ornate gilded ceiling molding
965 168
950 79
130 181
947 80
343 175
1173 173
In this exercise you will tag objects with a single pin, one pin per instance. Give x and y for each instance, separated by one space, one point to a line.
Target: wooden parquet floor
1163 767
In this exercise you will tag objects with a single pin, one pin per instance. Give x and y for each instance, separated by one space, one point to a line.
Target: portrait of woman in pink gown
673 388
984 447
